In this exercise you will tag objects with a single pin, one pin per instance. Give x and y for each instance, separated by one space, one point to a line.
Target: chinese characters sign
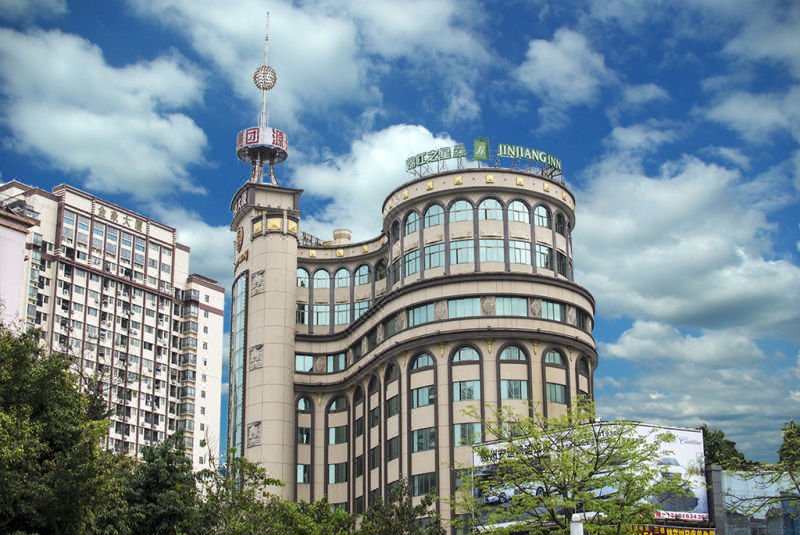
120 218
435 155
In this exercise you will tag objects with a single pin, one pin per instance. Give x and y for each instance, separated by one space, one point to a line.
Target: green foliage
50 458
718 449
789 452
398 516
555 467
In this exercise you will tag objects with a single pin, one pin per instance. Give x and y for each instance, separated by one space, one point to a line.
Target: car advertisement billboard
681 457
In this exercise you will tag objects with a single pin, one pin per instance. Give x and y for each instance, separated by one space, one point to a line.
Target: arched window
302 278
561 224
342 278
518 211
362 275
395 234
541 216
380 269
373 385
423 360
466 354
513 353
322 279
434 215
358 395
338 405
583 367
392 373
304 405
461 210
554 358
490 209
412 223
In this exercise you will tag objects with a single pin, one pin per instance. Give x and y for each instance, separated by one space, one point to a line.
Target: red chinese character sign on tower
262 145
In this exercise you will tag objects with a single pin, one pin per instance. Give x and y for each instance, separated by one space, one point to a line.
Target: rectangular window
374 417
395 271
393 448
425 395
411 261
462 252
374 457
361 307
464 308
556 393
304 435
423 484
390 327
423 439
358 466
301 314
303 473
392 406
491 250
466 390
511 306
337 473
337 435
466 434
552 311
543 254
519 252
358 427
513 389
434 256
420 315
322 315
337 363
562 264
342 313
304 363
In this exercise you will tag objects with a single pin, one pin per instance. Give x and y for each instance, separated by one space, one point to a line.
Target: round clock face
239 238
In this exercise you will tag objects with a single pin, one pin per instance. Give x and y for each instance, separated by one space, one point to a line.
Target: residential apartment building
113 289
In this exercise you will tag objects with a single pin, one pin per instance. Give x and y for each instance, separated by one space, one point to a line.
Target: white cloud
354 186
730 154
328 52
643 137
688 247
29 10
564 72
651 340
117 128
638 95
755 117
211 246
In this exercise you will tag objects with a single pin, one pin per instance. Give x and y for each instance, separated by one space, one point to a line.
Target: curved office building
352 363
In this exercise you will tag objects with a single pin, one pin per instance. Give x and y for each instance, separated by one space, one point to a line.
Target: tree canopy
542 470
720 450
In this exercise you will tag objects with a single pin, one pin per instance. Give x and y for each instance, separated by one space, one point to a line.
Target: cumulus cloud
211 245
29 10
352 188
638 95
117 129
689 247
563 72
643 137
327 53
756 117
729 154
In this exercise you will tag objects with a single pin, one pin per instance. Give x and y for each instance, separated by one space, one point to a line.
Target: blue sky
677 124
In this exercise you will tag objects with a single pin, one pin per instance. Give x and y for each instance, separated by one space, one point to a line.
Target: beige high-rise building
352 363
112 289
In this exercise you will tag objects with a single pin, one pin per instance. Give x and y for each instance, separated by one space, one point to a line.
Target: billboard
682 457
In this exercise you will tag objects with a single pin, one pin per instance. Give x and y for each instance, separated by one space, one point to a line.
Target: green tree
51 464
546 469
718 449
398 516
161 493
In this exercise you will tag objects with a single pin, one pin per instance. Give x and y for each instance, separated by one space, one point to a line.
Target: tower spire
262 145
